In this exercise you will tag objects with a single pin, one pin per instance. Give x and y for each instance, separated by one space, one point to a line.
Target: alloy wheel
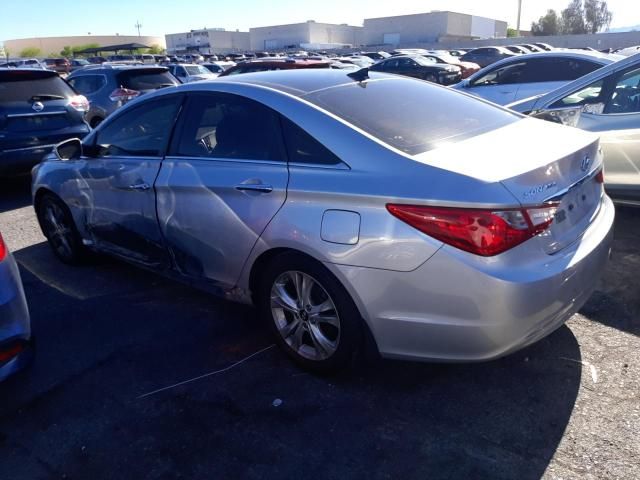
305 315
58 230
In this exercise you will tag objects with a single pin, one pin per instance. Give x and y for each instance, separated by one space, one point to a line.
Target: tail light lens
10 351
600 176
479 231
3 249
123 95
79 103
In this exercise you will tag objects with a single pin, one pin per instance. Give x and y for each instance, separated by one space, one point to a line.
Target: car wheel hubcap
305 315
58 231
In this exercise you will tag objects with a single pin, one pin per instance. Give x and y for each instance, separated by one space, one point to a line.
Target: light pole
138 25
519 15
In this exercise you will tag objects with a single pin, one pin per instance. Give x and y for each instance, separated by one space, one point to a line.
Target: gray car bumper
476 308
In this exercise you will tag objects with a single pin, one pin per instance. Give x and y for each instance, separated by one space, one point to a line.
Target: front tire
311 315
60 230
431 78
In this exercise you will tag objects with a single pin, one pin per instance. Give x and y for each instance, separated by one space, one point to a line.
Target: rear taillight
10 351
123 95
79 103
3 249
600 176
479 231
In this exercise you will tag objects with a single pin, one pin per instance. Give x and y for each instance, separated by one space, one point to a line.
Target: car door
118 177
617 120
499 84
225 178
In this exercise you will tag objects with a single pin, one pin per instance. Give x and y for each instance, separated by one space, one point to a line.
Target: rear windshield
146 79
196 70
21 88
411 115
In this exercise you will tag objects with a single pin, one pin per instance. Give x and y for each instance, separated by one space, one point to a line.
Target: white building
209 40
305 35
430 27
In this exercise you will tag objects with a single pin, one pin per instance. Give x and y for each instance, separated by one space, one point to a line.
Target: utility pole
138 25
519 15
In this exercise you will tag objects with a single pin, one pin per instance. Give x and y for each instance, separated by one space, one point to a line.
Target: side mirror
69 149
565 116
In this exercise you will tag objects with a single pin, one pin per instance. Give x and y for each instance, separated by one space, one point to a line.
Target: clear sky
31 18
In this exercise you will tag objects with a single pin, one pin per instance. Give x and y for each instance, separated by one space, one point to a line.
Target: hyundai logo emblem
38 106
586 162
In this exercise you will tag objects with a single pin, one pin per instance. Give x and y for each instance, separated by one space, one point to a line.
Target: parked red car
263 64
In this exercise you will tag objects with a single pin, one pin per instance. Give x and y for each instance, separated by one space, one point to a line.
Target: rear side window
508 74
146 80
17 87
88 84
303 148
411 115
557 69
229 126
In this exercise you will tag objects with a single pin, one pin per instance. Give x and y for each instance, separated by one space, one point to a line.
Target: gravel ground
567 407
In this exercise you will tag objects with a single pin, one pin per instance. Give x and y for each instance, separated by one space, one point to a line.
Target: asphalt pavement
109 335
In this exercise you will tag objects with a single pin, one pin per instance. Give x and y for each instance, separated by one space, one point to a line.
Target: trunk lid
538 163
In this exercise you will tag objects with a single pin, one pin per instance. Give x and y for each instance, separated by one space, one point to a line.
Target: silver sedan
345 207
15 326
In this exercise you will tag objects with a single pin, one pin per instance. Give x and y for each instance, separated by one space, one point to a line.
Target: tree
597 15
67 51
549 24
572 18
30 52
156 49
512 32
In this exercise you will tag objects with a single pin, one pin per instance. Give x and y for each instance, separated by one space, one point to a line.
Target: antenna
138 25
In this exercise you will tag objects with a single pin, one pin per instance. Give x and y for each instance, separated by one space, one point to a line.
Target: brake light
3 249
123 95
10 351
79 103
478 231
600 176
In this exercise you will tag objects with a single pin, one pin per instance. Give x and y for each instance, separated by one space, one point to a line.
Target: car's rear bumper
15 325
460 307
21 160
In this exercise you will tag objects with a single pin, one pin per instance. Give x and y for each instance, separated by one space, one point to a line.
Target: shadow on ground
15 192
109 333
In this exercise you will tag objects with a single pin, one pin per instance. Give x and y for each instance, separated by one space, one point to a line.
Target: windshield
196 70
24 87
410 115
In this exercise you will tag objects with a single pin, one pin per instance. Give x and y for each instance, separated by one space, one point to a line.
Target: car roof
26 74
298 82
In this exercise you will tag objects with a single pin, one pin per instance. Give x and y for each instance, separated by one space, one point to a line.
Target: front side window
230 126
626 94
588 95
505 75
142 131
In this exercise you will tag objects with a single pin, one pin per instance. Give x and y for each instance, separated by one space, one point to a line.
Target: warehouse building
208 40
430 27
309 34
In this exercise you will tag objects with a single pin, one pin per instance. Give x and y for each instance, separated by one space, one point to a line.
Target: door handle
254 187
140 187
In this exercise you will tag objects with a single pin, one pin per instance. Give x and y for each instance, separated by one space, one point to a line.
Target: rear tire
311 315
58 226
431 78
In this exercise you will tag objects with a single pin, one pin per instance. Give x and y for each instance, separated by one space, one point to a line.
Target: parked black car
419 67
484 56
37 110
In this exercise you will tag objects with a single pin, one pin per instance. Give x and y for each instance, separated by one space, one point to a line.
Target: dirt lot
567 407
